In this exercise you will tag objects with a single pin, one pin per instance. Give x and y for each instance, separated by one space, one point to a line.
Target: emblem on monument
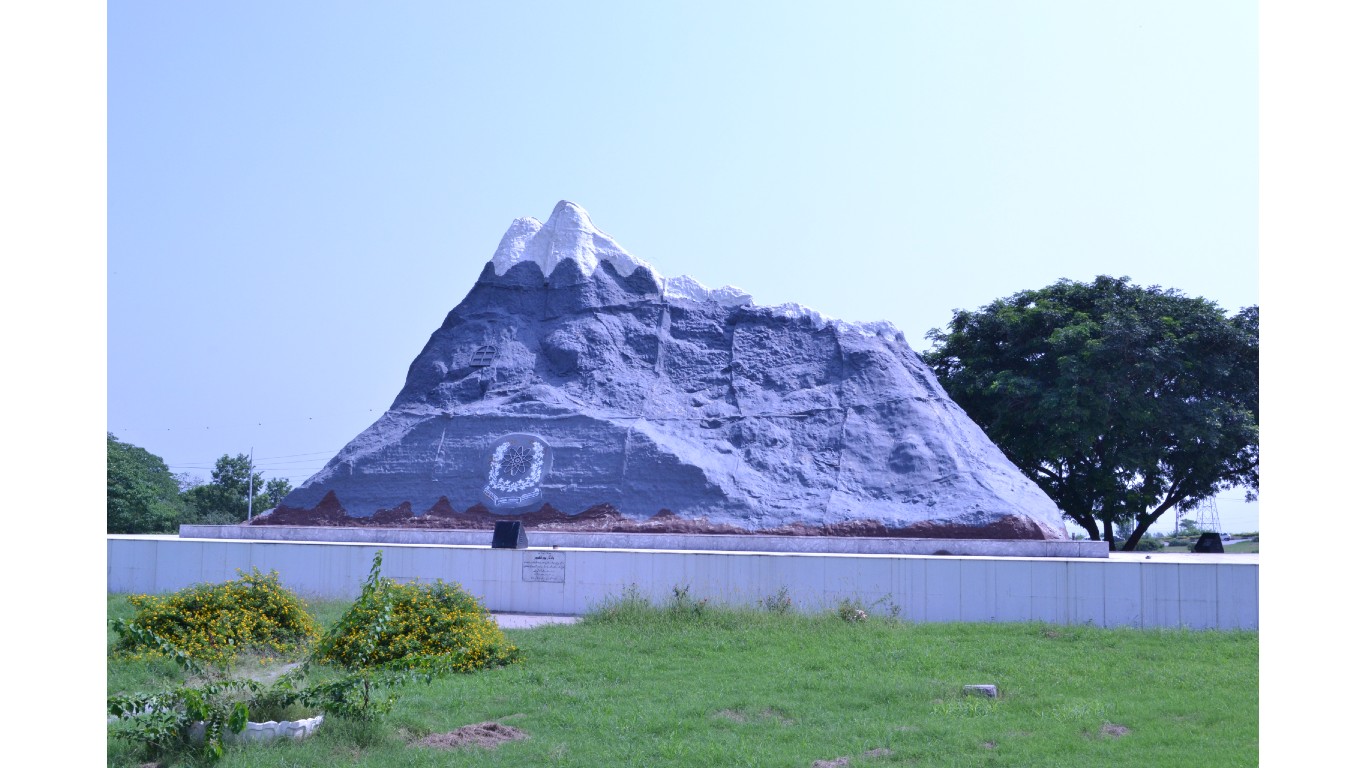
516 468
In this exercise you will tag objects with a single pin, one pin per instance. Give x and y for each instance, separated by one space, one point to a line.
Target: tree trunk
1089 523
1145 521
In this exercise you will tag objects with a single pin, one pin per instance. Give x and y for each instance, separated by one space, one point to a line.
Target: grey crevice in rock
839 458
731 393
436 459
657 394
626 449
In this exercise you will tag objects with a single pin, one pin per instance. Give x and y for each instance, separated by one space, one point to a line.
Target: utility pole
251 491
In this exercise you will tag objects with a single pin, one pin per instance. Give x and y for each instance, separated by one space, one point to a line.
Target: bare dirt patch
840 762
486 735
1113 730
767 713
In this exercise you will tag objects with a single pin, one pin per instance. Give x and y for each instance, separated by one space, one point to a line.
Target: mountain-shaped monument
574 377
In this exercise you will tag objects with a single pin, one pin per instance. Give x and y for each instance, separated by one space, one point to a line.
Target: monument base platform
690 542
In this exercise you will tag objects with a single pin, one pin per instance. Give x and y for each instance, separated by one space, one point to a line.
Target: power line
292 455
267 423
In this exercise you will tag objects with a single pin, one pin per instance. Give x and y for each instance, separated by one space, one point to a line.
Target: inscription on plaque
543 566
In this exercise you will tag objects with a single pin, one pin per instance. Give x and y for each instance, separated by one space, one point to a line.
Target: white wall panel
1219 593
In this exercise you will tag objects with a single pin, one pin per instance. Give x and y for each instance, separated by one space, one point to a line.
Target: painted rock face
654 394
517 465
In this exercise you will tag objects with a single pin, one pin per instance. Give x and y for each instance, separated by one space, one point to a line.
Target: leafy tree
1121 402
276 490
141 495
1189 527
186 481
223 500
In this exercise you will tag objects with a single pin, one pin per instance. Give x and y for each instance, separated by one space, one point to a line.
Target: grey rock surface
573 375
988 691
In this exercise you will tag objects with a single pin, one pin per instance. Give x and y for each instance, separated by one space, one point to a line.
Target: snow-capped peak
570 234
567 234
880 328
685 287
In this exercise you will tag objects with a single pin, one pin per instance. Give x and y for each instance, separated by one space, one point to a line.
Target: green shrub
684 604
1149 545
851 611
415 626
214 622
779 603
854 611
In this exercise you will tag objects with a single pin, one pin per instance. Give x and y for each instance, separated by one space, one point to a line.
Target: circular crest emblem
516 467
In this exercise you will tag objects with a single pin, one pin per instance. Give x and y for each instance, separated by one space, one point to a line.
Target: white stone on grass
988 691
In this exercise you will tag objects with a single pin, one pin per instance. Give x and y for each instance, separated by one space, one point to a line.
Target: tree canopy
141 494
224 499
144 497
1121 402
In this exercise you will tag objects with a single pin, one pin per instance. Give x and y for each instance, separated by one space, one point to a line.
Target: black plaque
508 534
543 566
1209 542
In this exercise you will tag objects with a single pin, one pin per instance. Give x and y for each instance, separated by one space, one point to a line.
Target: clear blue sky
299 192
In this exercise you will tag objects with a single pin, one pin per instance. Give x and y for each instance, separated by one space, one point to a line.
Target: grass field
701 686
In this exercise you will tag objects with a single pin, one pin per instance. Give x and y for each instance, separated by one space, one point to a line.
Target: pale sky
298 193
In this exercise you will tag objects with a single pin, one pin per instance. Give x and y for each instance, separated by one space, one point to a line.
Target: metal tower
1207 516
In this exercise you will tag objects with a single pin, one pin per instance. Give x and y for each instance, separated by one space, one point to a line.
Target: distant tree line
143 496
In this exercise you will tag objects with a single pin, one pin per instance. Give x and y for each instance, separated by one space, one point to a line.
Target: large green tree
223 500
1121 402
141 494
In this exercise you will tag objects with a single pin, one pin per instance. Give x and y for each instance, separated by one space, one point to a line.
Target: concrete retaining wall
1197 591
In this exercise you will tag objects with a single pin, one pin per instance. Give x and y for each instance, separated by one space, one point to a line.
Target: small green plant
164 722
684 603
176 720
851 611
854 611
779 603
213 623
630 606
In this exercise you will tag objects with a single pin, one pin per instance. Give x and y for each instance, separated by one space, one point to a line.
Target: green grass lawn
654 687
